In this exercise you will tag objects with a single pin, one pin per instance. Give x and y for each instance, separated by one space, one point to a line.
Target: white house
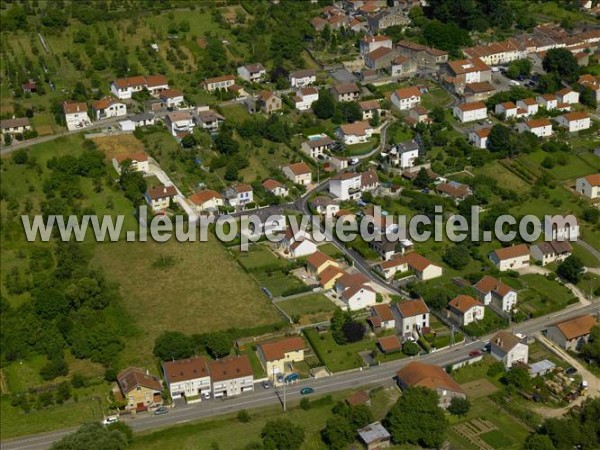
354 291
301 78
391 267
15 126
275 188
231 376
76 115
207 201
404 154
469 112
589 186
124 88
412 316
548 101
509 349
492 291
222 82
479 137
575 121
109 107
159 197
139 162
316 147
209 119
423 268
568 96
530 106
180 123
346 186
142 119
371 43
187 378
509 109
172 98
253 73
354 133
369 108
305 97
382 317
325 206
549 252
238 195
298 173
406 98
540 127
510 258
464 309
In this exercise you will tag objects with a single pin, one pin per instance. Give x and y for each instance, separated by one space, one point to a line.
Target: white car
110 419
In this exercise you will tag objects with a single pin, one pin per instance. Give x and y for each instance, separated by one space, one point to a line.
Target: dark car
571 371
487 348
474 353
160 411
266 384
306 391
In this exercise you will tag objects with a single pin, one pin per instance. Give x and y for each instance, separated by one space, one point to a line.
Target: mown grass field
311 308
338 357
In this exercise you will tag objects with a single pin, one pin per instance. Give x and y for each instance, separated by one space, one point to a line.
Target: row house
497 53
253 73
548 252
387 18
380 58
231 376
426 57
403 66
124 88
464 71
406 98
371 43
188 378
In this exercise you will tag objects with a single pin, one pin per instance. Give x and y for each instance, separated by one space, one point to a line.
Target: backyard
311 308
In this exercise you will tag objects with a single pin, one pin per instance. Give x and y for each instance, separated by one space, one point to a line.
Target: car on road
474 353
206 395
487 347
571 371
266 384
110 419
160 411
306 391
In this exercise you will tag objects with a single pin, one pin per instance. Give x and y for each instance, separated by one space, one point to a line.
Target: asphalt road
379 375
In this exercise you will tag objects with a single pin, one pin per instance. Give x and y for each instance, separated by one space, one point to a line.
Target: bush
243 416
305 404
410 348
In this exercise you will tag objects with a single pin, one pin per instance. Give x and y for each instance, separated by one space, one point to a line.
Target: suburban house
108 107
470 112
15 126
540 127
297 245
406 98
431 377
277 357
346 186
269 102
207 200
589 186
382 317
142 119
159 197
318 262
509 109
253 73
547 101
464 309
371 43
380 58
529 105
298 173
549 252
140 389
509 349
591 82
76 115
329 276
353 291
345 92
317 147
338 163
124 88
375 436
180 123
492 291
369 180
392 266
171 98
354 133
305 97
478 92
466 71
454 190
568 96
412 316
325 206
575 121
423 268
238 195
571 334
222 82
387 18
301 78
139 162
231 376
510 258
479 137
404 154
209 119
369 108
497 53
426 57
187 378
275 188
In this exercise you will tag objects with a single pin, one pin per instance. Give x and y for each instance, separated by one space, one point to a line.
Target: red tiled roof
271 184
74 107
133 377
463 303
230 368
159 192
105 103
411 308
299 168
491 284
389 343
408 92
186 369
330 273
383 311
577 326
472 106
594 180
514 251
317 259
276 350
201 197
138 157
427 375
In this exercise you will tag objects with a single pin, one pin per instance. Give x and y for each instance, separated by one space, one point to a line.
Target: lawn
435 97
588 259
361 149
503 176
311 308
338 357
278 283
331 250
259 257
399 132
542 295
575 168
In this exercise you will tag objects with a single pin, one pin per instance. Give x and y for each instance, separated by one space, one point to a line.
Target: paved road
379 375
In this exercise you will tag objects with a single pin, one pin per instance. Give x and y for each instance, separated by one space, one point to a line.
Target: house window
139 388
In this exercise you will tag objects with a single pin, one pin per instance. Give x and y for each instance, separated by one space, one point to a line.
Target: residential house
124 88
369 108
325 206
317 147
329 276
253 73
269 102
403 66
418 114
382 317
354 292
464 310
497 53
509 349
404 154
470 112
571 334
305 97
568 96
346 92
371 43
171 98
338 163
187 378
388 249
108 107
143 119
509 109
207 201
389 344
155 84
375 436
140 389
478 92
412 317
432 377
589 186
464 71
479 137
275 188
318 261
277 357
209 119
406 98
510 258
593 83
369 180
298 173
575 121
346 186
390 267
180 123
222 82
302 78
553 251
380 58
492 291
423 269
354 133
540 127
138 162
297 245
387 18
530 106
454 190
15 126
76 115
238 195
426 57
547 101
159 197
231 376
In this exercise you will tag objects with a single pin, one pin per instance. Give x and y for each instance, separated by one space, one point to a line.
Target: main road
374 376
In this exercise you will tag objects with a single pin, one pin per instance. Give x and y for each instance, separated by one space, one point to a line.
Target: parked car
487 347
160 411
266 384
571 371
206 395
292 377
110 419
306 391
474 353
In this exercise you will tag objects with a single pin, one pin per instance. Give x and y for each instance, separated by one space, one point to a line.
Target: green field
278 283
258 257
330 250
338 357
316 306
543 296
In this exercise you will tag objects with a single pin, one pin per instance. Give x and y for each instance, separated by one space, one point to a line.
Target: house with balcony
209 119
346 186
180 123
109 107
239 195
222 82
76 115
253 73
231 376
302 78
187 378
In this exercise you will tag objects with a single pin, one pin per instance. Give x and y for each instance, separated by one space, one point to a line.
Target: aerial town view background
257 115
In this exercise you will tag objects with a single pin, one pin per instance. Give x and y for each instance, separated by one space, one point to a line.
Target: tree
93 436
282 434
410 348
591 350
305 403
459 406
517 377
457 256
173 345
347 112
591 214
188 141
422 179
360 416
562 62
124 429
324 107
243 416
54 368
225 143
499 138
538 442
353 331
20 156
519 67
375 120
571 269
338 433
218 345
416 418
